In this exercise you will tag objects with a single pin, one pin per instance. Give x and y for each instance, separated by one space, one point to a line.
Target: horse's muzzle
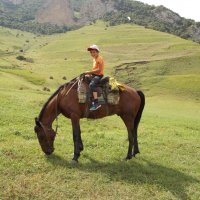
49 152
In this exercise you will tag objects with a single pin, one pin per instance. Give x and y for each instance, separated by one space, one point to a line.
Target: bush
21 58
46 89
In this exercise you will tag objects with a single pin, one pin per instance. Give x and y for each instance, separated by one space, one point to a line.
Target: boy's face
94 53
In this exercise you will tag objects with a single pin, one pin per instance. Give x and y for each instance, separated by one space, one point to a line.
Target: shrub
21 58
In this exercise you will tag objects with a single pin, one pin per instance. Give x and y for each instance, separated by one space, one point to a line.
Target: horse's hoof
74 162
81 148
126 159
135 153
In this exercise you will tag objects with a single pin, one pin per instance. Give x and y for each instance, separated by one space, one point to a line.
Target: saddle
106 94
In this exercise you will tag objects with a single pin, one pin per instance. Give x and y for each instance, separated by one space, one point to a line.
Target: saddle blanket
108 92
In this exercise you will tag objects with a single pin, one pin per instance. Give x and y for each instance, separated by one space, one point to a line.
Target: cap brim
89 49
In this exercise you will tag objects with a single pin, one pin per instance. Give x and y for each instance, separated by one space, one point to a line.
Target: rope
56 114
72 87
79 81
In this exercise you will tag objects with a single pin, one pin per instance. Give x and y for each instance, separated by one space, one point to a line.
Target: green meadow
165 67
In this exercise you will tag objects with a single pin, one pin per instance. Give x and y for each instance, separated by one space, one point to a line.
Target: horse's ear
37 122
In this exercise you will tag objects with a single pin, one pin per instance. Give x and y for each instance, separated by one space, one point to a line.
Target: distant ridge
52 16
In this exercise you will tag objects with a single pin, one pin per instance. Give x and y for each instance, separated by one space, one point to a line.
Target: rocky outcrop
194 33
63 12
94 9
56 12
166 15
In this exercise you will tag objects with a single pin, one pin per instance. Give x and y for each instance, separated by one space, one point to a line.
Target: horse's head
46 137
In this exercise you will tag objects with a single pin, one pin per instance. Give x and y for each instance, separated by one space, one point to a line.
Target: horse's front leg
81 143
78 145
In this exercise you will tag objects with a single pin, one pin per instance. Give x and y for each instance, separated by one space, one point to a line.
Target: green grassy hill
141 57
165 67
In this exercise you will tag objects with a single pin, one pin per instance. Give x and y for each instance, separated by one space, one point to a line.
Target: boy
97 73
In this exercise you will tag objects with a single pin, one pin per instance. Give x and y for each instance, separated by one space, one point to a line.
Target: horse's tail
139 114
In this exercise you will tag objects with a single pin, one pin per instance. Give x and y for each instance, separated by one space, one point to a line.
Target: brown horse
65 101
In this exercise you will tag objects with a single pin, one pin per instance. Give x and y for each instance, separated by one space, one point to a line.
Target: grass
168 166
27 75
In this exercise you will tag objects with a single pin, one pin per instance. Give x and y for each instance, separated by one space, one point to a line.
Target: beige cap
93 47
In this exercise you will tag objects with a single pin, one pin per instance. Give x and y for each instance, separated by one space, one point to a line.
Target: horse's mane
50 98
53 95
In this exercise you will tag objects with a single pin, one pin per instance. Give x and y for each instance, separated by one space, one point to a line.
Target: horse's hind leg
128 120
137 121
135 135
136 148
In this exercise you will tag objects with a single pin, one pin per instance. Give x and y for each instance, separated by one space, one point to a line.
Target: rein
65 94
56 114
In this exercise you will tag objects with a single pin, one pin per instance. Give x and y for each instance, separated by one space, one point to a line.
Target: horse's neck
50 112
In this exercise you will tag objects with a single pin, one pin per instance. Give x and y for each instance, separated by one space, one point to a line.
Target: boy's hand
82 75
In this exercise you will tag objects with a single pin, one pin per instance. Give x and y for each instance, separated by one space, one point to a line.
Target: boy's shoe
95 106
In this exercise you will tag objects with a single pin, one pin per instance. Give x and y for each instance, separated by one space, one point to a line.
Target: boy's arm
95 71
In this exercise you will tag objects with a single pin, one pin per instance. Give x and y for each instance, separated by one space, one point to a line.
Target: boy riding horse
97 73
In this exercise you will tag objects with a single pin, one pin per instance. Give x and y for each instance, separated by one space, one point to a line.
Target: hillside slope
145 59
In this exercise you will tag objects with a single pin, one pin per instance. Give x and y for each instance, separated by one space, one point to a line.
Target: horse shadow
138 171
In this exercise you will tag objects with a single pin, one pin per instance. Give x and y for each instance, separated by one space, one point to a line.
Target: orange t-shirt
98 63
